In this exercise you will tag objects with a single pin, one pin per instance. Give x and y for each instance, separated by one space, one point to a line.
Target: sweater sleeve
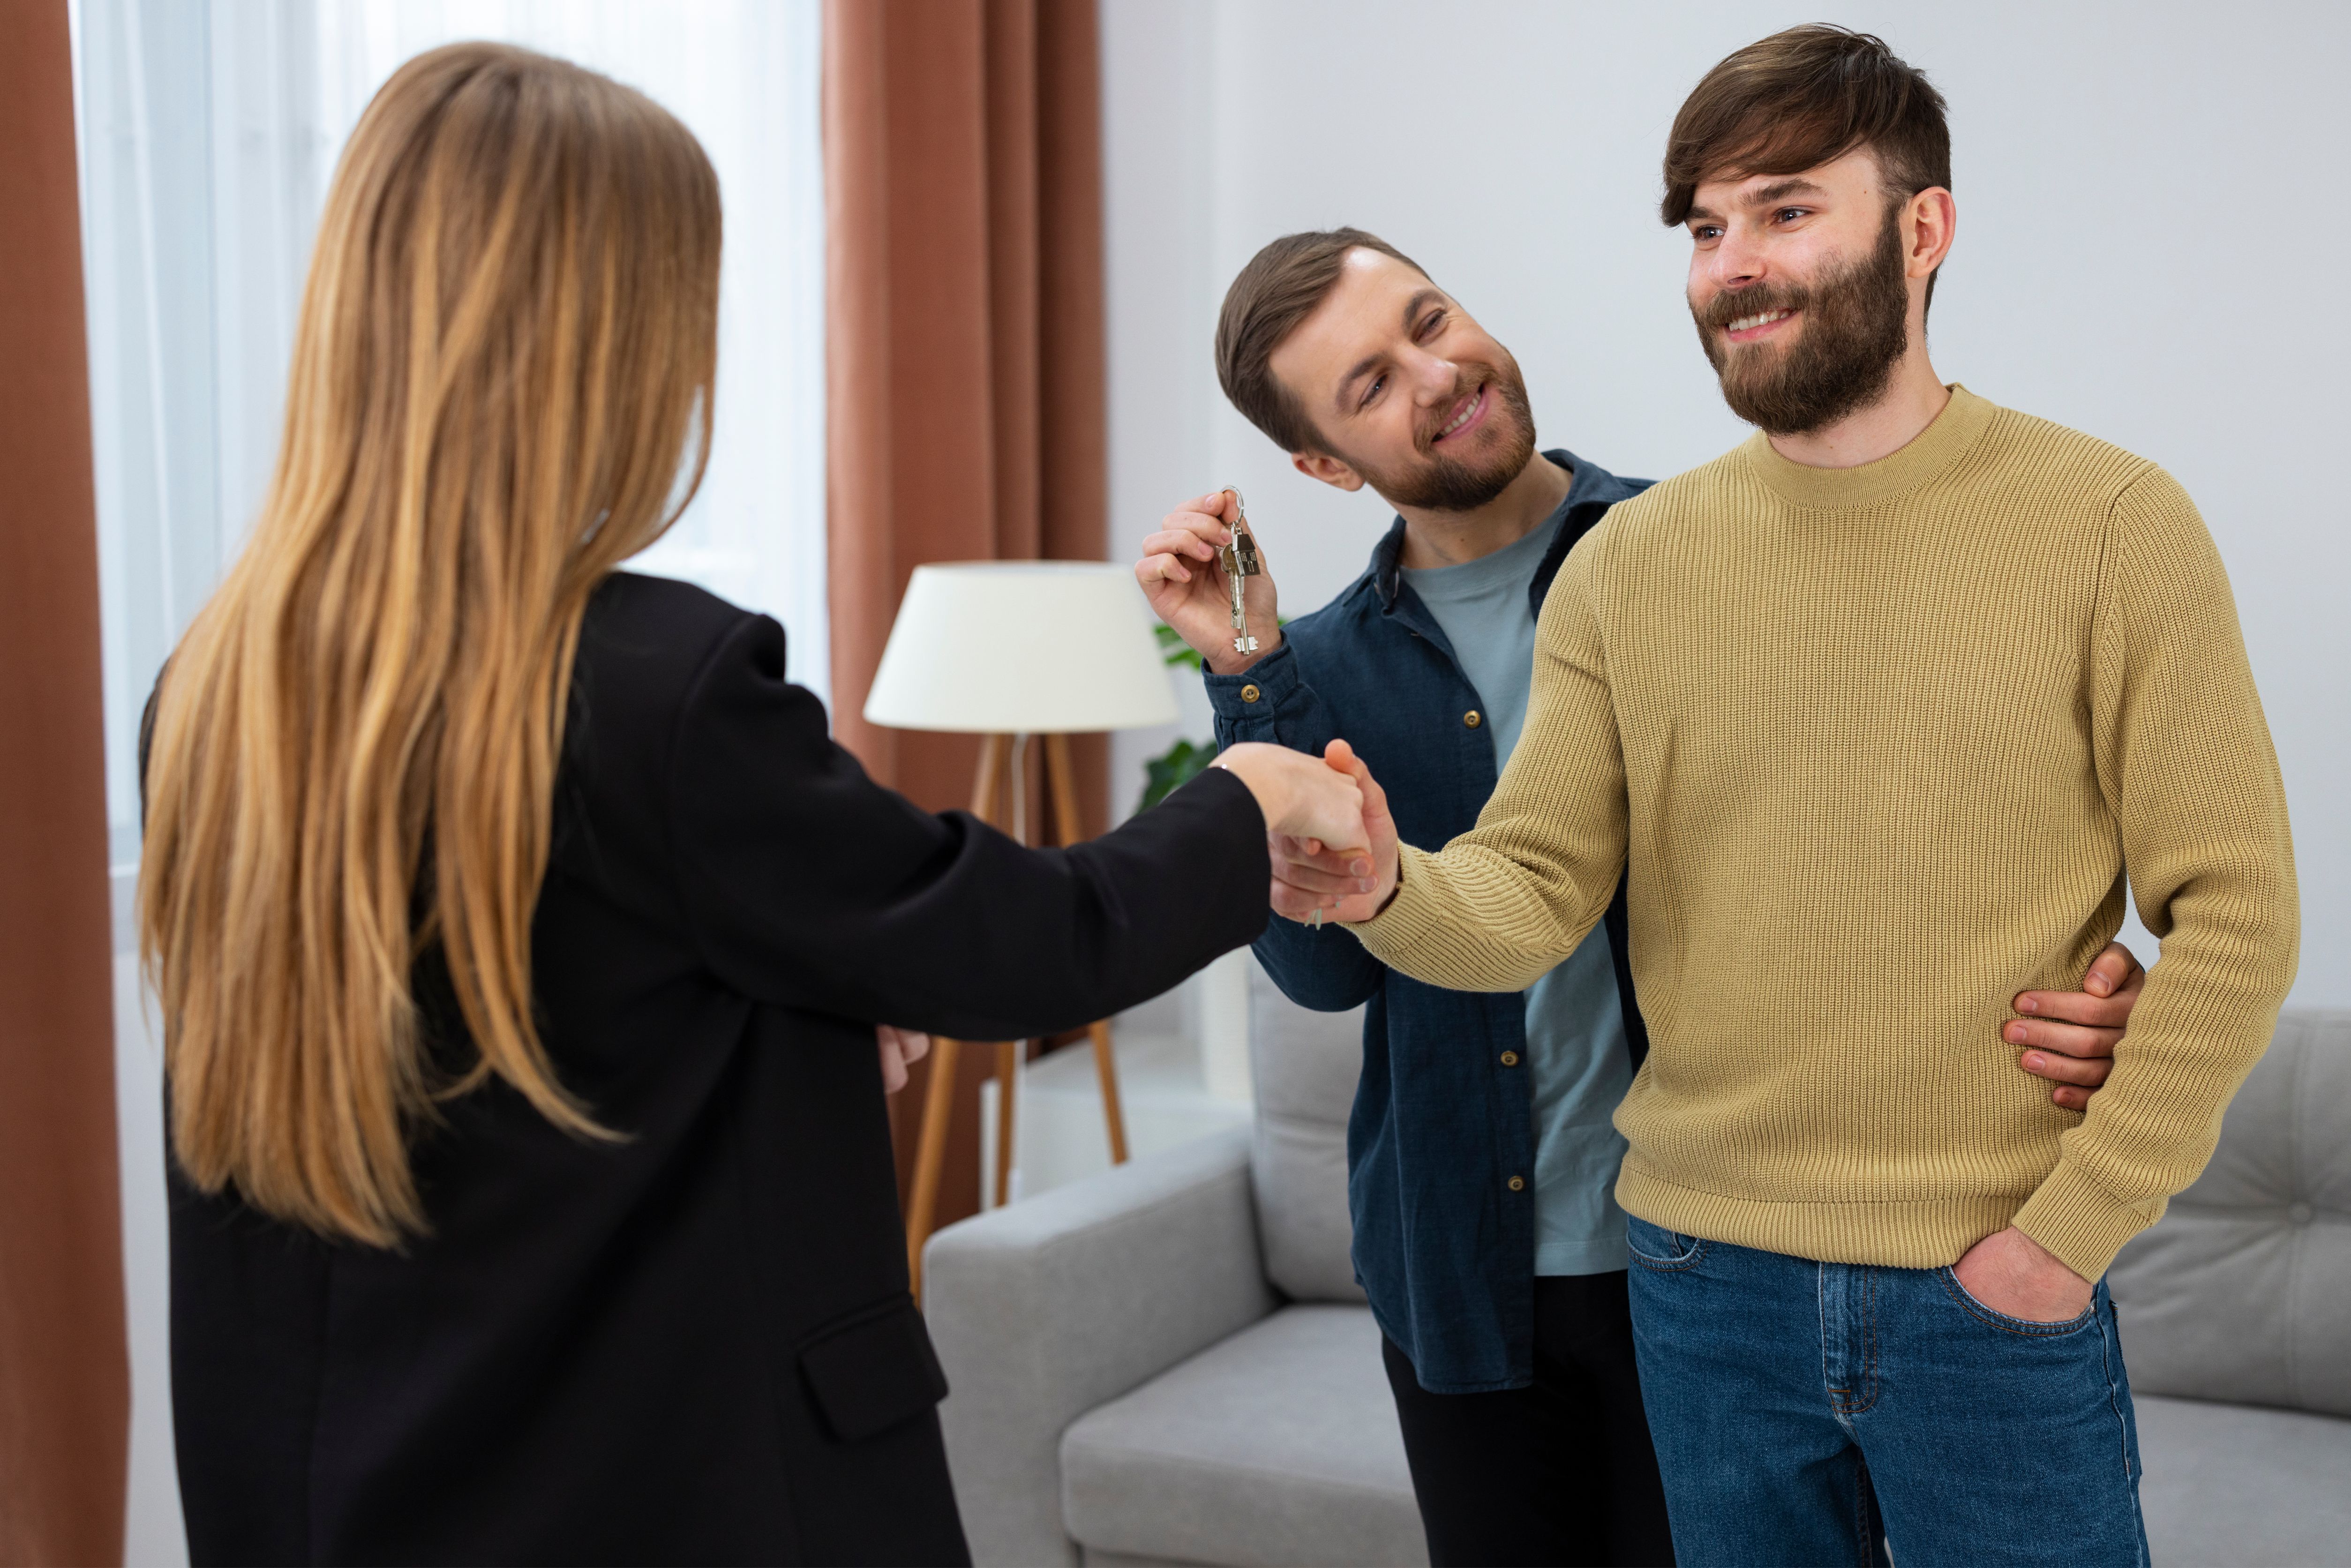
1500 905
2185 761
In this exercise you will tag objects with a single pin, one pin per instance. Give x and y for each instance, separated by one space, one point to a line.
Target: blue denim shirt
1444 1246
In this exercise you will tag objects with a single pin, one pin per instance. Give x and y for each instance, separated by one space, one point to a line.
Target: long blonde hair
501 388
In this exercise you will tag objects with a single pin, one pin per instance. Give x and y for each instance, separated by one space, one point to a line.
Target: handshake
1328 831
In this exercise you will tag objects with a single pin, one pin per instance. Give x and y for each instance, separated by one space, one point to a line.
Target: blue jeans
1800 1408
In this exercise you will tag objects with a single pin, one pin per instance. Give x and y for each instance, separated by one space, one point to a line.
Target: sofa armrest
1045 1309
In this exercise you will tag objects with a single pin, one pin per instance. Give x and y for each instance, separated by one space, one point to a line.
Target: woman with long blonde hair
521 936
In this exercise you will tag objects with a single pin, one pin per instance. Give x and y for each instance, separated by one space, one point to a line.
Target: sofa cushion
1305 1064
2238 1292
1277 1446
2234 1484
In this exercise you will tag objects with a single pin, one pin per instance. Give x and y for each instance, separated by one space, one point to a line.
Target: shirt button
1250 694
1518 1183
1471 718
1510 1058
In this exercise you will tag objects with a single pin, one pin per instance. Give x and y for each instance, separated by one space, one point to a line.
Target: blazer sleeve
809 885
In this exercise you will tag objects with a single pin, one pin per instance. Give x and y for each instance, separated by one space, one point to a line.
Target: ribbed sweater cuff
2080 1221
1405 924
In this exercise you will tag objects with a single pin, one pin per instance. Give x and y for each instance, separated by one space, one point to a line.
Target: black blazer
697 1345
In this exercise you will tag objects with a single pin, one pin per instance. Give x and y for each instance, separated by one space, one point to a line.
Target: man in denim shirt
1481 1158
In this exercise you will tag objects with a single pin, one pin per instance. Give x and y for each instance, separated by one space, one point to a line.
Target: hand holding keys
1240 560
1208 580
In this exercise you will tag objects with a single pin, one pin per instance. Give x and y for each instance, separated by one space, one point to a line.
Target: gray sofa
2235 1311
1171 1363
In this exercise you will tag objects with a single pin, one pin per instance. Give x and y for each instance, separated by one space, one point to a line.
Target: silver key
1240 560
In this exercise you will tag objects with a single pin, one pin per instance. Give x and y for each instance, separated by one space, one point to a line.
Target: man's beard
1854 330
1441 482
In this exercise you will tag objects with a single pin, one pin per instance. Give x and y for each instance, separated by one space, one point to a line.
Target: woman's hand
901 1049
1298 794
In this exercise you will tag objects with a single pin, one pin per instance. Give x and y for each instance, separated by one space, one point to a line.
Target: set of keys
1240 560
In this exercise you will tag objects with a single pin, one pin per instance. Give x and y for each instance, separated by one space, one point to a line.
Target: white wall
2149 229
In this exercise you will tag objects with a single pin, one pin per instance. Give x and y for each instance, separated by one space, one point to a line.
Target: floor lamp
1008 650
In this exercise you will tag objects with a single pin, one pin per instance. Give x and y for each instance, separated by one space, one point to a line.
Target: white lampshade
1010 647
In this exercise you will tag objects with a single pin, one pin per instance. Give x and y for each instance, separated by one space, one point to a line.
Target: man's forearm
2209 1010
1273 700
1471 919
1318 968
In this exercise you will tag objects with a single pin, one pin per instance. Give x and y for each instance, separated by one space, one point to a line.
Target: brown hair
501 388
1800 99
1279 288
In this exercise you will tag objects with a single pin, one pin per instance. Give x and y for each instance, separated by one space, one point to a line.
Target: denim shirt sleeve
1323 969
1270 701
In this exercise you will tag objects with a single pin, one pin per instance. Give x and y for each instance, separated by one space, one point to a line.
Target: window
210 130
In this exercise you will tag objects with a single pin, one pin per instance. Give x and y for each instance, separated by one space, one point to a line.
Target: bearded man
1481 1157
1901 687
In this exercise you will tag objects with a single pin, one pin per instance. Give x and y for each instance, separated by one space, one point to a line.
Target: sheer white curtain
743 75
209 132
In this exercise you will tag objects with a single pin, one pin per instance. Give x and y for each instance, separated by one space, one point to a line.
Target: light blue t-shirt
1576 1053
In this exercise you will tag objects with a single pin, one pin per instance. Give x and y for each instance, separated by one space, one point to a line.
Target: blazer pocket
873 1369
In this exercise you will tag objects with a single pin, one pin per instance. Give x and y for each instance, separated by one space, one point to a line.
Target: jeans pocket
2028 1327
1660 1250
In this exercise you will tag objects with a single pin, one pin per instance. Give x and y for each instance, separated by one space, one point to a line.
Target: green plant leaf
1165 774
1175 649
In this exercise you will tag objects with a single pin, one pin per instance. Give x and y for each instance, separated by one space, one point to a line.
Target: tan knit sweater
1880 742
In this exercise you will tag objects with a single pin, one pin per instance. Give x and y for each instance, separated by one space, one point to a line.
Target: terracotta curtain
963 173
64 1376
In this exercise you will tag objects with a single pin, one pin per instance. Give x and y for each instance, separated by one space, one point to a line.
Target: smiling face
1800 288
1407 391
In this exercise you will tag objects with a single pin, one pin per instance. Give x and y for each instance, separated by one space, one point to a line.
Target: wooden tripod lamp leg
1007 1067
938 1093
1061 784
938 1100
985 776
1106 1069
